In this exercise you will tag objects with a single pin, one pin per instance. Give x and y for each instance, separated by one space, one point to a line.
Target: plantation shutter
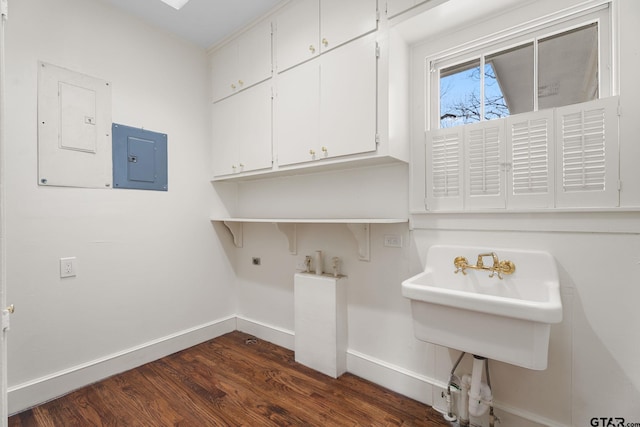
530 166
444 169
587 136
484 156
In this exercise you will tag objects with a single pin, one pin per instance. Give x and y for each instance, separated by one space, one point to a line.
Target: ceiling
203 22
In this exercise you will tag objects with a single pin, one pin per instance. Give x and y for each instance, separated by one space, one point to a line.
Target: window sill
604 220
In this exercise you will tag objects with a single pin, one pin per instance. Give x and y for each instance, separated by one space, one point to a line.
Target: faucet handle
503 267
506 267
461 264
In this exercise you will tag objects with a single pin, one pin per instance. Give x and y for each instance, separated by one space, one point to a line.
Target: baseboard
29 394
416 386
266 332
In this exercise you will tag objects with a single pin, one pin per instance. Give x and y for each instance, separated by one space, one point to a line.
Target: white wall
593 358
150 265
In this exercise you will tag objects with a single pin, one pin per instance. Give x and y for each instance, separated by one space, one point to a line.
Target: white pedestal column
321 323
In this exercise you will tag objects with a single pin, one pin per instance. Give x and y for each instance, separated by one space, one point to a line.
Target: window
551 67
526 122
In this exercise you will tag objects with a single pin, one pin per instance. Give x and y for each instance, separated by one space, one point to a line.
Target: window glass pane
508 82
460 94
568 67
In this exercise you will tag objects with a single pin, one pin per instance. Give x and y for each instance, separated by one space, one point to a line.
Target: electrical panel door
139 158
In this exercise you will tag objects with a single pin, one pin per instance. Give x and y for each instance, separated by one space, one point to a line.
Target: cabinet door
297 33
297 114
225 148
342 21
396 7
224 66
348 99
254 128
254 55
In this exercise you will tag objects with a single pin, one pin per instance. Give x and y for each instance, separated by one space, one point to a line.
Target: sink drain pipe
475 396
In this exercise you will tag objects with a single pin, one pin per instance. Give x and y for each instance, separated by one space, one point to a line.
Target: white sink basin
507 320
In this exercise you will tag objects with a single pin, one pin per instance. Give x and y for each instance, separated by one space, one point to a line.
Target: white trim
393 377
620 222
515 413
520 30
273 334
43 389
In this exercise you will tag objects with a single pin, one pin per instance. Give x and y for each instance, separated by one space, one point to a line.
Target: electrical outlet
68 267
392 241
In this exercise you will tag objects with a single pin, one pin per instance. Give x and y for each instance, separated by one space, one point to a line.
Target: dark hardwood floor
232 380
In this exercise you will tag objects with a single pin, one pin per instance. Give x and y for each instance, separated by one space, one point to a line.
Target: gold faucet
500 267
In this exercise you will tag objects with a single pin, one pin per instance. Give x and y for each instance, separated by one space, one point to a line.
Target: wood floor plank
233 380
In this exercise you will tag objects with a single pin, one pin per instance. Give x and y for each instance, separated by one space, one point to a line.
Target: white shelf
359 227
316 220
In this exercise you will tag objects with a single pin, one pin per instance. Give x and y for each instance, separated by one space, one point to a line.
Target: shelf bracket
363 237
236 231
289 230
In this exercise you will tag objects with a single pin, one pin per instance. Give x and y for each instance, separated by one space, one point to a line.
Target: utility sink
506 319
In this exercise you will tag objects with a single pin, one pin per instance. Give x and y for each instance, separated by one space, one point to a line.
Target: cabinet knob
241 165
240 82
233 86
233 167
324 150
312 49
325 42
312 152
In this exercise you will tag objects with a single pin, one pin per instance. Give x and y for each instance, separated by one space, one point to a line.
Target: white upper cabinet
307 28
297 33
326 108
342 21
242 132
396 7
297 114
348 99
243 62
330 102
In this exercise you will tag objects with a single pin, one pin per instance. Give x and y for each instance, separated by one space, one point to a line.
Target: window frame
519 36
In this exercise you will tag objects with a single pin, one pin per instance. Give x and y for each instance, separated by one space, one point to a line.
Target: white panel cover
74 129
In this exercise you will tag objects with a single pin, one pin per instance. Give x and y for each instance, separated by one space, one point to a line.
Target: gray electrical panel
139 158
